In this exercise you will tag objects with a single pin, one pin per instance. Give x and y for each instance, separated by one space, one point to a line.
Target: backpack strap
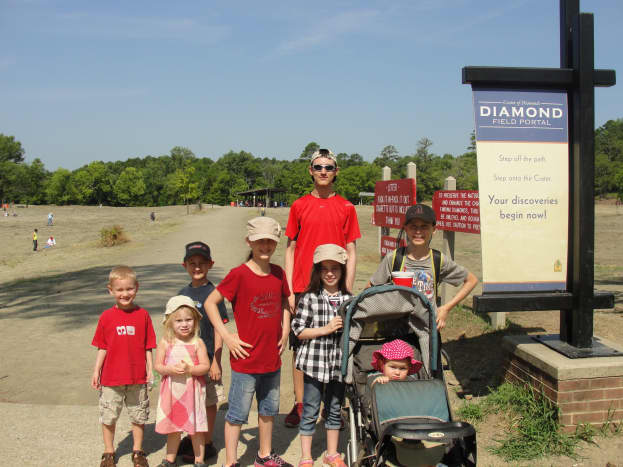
437 261
398 258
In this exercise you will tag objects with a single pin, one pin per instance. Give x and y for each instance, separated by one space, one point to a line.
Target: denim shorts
315 392
243 386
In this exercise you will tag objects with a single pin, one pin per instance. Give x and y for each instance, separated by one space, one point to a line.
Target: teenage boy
419 227
124 338
317 218
197 262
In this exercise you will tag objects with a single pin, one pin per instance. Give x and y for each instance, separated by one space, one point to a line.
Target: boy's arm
215 367
99 361
149 366
351 265
289 267
285 323
443 311
233 342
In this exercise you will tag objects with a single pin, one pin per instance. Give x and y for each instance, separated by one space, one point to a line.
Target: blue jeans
243 386
312 396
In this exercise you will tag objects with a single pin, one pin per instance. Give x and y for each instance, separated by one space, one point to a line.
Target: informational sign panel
392 198
457 210
389 244
523 179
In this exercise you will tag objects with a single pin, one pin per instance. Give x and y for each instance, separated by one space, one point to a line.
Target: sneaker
333 461
108 460
270 461
186 449
189 458
139 459
294 417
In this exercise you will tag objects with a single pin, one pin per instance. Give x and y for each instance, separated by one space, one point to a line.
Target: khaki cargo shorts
135 397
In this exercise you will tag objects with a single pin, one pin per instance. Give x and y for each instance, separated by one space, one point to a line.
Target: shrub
113 236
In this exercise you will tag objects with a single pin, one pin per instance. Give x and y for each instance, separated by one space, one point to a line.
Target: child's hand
334 325
381 380
215 371
283 342
179 368
236 346
442 315
95 381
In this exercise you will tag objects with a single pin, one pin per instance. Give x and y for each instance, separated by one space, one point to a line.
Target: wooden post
448 241
387 175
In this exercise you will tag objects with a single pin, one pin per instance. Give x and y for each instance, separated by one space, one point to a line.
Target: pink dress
182 399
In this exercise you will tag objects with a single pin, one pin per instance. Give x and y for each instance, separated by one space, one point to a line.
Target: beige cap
179 301
322 153
263 227
330 251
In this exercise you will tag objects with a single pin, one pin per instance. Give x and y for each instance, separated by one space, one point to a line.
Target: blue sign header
520 115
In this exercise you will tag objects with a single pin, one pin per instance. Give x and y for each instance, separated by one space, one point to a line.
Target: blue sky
83 81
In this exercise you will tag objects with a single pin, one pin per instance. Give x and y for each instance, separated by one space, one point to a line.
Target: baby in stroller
401 416
395 361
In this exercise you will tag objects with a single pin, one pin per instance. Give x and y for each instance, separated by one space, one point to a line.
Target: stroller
400 423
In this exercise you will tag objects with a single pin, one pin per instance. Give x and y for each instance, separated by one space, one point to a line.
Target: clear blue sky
83 81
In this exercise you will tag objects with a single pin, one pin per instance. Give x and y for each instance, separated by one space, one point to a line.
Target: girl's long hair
169 334
315 282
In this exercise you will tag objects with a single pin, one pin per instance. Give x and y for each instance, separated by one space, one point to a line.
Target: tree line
180 177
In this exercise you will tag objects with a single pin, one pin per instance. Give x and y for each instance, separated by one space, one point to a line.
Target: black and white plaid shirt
321 357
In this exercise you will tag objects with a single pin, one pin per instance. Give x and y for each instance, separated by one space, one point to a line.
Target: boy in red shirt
124 338
317 218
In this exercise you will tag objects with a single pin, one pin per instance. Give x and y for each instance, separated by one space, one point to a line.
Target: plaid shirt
319 358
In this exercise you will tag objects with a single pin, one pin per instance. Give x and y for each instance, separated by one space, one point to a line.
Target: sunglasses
319 167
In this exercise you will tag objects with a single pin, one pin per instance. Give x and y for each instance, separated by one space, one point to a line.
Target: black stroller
401 423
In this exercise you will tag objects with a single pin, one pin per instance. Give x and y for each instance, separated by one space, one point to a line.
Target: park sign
388 244
457 210
392 198
523 178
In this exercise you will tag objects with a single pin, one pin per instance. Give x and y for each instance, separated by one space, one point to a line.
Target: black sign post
576 75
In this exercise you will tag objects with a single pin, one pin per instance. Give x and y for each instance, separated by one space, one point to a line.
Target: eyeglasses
319 167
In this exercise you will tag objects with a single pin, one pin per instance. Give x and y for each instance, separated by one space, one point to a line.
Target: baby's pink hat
395 350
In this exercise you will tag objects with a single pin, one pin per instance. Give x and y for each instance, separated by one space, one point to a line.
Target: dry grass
76 230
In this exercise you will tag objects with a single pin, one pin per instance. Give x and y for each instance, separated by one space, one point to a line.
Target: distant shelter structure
266 197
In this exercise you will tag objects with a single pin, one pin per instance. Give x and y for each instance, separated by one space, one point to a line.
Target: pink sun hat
395 350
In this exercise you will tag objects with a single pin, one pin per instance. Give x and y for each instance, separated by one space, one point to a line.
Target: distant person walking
50 219
35 237
152 216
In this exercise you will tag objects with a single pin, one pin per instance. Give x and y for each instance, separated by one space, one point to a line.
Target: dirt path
47 327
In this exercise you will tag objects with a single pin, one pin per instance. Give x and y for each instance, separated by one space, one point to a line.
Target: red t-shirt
316 221
126 336
257 301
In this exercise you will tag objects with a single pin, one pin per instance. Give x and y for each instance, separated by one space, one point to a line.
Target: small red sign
457 210
392 198
389 244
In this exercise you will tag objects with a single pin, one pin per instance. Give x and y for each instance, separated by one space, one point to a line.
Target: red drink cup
404 278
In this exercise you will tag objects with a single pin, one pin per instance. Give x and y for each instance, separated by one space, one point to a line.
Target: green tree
308 151
225 188
36 179
389 157
130 187
357 178
58 189
10 149
181 187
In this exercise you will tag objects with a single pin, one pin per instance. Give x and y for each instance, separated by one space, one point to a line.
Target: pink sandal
306 462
